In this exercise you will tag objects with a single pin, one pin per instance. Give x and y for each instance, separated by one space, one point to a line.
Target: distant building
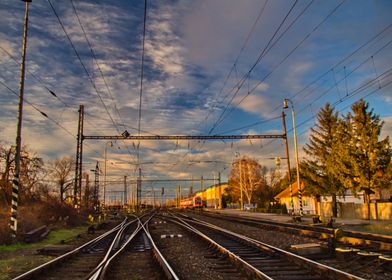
309 203
212 195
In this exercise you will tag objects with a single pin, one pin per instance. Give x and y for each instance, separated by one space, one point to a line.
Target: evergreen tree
316 169
362 160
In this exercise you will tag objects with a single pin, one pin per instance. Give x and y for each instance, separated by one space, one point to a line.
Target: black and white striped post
16 180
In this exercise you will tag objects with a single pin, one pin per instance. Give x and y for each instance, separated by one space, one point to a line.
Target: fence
378 210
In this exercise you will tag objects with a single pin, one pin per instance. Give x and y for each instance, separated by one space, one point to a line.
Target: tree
316 170
61 171
245 175
362 160
270 187
32 172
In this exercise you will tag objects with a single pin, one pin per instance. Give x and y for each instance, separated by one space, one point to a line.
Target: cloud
387 128
190 48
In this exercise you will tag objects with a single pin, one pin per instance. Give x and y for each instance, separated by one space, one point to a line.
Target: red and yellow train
191 202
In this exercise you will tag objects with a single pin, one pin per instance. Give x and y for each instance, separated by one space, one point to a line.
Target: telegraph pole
79 158
125 191
219 191
16 181
288 162
241 186
138 189
96 187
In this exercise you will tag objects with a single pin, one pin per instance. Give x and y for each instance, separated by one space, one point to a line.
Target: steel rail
97 270
39 269
384 241
327 271
100 271
169 272
238 261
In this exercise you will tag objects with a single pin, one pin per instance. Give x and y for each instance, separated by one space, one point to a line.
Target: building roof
286 192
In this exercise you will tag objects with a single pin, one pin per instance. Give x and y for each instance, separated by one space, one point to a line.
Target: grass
13 266
20 257
54 237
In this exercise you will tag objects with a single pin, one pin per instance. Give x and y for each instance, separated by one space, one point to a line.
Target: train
192 202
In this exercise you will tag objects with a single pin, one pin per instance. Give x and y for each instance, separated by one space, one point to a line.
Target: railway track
98 258
259 260
373 241
77 263
362 254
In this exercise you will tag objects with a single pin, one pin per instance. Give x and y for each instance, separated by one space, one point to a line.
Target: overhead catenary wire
239 54
49 88
142 76
264 51
100 71
282 61
43 113
240 83
83 65
340 62
358 90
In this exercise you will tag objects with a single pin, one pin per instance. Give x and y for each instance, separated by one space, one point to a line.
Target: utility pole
178 196
215 187
296 153
125 191
288 162
153 197
219 191
162 194
241 186
16 181
138 189
96 187
79 158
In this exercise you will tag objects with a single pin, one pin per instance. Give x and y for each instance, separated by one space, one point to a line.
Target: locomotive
191 202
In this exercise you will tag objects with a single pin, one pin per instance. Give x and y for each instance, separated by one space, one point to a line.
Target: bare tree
246 175
61 170
31 174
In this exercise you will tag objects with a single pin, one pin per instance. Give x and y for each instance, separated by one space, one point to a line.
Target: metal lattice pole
16 180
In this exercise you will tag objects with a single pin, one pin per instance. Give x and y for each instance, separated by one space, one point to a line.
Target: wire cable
283 60
141 77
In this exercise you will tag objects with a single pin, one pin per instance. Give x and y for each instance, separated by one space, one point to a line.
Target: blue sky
190 49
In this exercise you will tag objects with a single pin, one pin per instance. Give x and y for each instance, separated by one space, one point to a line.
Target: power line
43 113
338 63
344 78
99 69
51 91
285 58
141 76
358 90
239 54
239 84
250 125
83 65
265 50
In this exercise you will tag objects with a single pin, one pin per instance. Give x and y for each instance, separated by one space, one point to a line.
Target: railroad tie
163 236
